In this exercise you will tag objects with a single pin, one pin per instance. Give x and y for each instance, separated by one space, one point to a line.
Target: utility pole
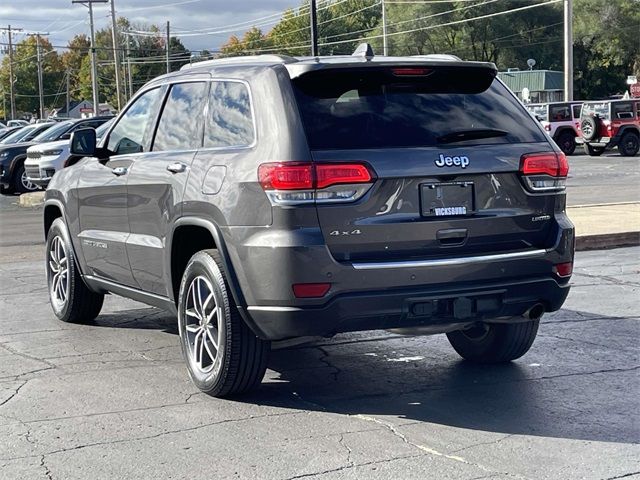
94 63
39 60
385 50
68 74
12 93
129 68
568 50
314 29
116 52
167 48
40 92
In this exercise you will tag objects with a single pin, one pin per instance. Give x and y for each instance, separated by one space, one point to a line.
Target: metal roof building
543 85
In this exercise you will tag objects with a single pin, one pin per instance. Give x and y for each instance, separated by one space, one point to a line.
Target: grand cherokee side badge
461 161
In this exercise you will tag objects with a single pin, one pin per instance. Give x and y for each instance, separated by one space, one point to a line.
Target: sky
63 20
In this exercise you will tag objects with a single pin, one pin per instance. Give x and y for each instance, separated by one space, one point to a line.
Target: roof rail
439 56
241 60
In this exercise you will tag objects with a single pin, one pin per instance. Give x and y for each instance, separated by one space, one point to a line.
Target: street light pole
94 63
314 29
568 50
12 94
40 92
168 41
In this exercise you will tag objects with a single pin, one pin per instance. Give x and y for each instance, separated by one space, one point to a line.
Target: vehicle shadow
554 391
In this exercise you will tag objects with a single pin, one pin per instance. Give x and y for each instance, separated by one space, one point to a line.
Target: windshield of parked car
408 107
539 111
102 129
51 134
601 109
18 135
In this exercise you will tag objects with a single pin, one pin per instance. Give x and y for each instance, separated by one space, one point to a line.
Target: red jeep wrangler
607 124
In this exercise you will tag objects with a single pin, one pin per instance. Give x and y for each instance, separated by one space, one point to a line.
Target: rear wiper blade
461 135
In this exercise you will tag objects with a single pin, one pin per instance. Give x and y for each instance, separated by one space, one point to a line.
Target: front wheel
70 298
494 342
223 355
593 151
21 182
629 144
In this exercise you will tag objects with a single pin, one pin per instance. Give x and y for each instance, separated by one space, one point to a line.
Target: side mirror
66 136
83 142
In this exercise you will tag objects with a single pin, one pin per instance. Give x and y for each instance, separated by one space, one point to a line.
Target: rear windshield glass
601 109
386 108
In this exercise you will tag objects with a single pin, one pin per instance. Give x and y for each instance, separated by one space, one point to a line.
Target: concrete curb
32 199
607 240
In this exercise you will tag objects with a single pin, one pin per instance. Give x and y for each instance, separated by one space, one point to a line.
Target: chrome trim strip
444 262
273 309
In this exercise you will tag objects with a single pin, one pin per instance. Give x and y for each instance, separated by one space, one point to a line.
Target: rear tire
567 143
629 144
223 356
494 342
593 151
70 298
6 190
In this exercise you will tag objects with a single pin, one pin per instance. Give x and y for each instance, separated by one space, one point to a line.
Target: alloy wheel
203 314
59 272
26 183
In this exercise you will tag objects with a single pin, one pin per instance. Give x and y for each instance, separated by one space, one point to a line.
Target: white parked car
45 159
17 123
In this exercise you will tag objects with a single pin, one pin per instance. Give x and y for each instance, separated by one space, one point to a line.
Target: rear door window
230 119
180 125
559 113
384 108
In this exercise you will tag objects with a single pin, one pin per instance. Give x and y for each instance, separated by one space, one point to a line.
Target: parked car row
598 126
15 158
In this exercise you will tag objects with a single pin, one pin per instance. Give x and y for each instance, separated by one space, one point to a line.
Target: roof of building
534 80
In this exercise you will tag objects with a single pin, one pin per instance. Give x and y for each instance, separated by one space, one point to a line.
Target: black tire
593 151
567 142
494 342
240 359
19 180
80 305
6 190
589 127
629 144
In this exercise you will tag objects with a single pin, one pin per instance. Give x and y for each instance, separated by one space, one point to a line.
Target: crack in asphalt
47 472
157 435
625 475
348 467
325 359
588 319
609 279
431 451
479 444
17 390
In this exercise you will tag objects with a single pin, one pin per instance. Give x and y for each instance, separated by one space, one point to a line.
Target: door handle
177 167
119 171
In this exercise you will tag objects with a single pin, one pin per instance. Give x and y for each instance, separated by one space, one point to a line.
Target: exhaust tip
535 312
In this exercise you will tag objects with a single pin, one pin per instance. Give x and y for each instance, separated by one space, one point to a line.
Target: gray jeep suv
267 198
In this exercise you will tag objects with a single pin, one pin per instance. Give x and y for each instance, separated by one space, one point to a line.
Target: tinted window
180 126
576 111
394 111
559 113
230 122
128 136
622 110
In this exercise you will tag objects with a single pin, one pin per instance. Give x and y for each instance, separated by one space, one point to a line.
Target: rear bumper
440 309
606 142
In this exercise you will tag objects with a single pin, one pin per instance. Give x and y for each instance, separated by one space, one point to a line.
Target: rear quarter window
229 121
373 108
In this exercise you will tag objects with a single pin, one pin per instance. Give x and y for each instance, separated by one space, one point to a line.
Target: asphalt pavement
113 399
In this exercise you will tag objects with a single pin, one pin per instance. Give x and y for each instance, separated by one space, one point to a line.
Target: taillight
544 172
563 270
547 128
292 183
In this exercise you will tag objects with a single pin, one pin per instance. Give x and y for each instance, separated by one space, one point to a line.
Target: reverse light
293 183
545 172
310 290
563 269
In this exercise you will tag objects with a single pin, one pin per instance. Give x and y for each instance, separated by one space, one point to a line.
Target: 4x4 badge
341 233
461 161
